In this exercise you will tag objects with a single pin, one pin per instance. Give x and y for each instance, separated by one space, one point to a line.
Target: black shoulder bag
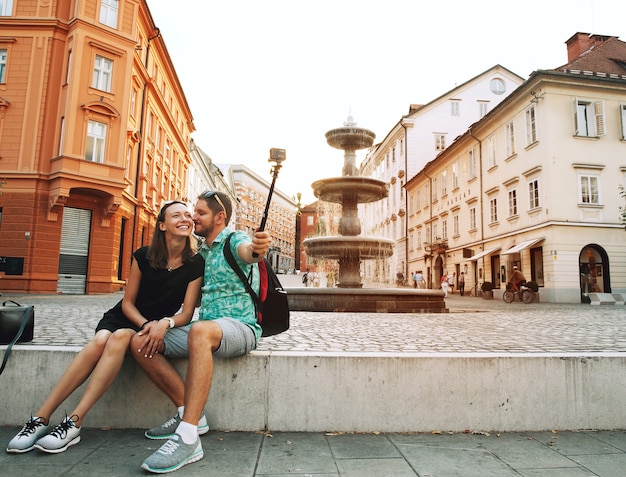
272 307
17 324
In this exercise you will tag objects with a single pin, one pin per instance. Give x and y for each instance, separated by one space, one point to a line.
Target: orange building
94 136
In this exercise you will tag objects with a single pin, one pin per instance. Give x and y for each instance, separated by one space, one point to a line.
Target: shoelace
31 426
60 431
169 447
169 423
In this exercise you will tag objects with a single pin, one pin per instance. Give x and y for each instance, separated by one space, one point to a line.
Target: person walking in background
444 284
462 283
451 279
420 280
227 327
163 276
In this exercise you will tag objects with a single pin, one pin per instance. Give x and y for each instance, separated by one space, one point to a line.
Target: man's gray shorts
238 339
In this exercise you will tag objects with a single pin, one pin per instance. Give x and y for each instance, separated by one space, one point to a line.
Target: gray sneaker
168 429
173 455
61 437
24 440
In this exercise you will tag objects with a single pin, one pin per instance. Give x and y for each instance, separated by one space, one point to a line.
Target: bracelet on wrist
143 325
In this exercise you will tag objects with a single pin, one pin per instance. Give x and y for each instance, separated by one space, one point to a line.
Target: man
462 283
227 327
517 278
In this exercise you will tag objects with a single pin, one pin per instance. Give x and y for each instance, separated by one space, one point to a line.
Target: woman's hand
153 333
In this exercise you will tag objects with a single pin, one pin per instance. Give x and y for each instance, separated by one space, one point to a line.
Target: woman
163 276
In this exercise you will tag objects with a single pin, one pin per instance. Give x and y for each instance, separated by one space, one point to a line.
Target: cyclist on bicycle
517 279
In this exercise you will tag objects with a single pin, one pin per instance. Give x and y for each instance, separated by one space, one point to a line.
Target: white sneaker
24 440
60 438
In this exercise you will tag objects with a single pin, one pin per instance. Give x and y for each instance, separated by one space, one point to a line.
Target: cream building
252 190
535 183
418 137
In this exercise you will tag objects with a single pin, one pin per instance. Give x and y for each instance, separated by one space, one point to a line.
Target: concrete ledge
387 392
601 299
619 298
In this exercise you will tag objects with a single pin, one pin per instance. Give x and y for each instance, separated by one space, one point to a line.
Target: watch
171 320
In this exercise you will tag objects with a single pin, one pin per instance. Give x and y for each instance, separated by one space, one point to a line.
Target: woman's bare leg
76 373
105 372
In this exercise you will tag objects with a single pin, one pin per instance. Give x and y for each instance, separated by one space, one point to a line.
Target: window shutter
598 109
575 107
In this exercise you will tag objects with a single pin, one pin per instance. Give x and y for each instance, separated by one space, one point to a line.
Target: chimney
581 43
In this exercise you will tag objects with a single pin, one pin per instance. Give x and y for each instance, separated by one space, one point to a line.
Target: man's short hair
217 202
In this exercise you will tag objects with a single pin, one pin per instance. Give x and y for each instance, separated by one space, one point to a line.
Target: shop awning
484 253
521 246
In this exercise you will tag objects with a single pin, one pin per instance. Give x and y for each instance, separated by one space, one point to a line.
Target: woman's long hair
157 253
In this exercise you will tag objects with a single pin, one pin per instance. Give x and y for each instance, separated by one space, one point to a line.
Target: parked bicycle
525 294
476 290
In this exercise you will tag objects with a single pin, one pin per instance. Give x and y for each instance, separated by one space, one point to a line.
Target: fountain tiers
359 189
349 248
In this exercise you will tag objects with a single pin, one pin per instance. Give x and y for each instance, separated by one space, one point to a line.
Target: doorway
74 251
593 264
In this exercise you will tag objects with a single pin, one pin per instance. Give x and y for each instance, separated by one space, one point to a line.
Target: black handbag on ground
17 325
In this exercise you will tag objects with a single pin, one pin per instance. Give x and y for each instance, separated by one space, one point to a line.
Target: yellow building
94 136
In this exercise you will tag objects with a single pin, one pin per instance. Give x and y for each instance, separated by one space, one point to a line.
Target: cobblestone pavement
472 325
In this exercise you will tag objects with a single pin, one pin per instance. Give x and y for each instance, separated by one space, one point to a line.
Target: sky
262 74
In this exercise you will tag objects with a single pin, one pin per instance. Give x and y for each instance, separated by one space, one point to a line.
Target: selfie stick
277 156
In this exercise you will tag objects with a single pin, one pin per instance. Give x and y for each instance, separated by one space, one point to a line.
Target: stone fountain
349 248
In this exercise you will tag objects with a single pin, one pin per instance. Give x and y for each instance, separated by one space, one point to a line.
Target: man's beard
206 231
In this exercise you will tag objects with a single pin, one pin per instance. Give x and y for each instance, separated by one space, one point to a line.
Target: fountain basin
350 138
357 188
339 247
366 300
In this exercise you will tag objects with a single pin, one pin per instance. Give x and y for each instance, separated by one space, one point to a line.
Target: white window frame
512 202
472 218
455 107
531 125
434 190
471 163
102 73
588 118
493 210
510 139
444 183
108 12
6 8
483 108
133 102
455 225
96 141
4 54
589 189
622 115
533 194
419 239
455 175
491 151
444 229
440 142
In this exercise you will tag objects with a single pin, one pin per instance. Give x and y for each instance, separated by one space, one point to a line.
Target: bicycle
524 294
476 290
